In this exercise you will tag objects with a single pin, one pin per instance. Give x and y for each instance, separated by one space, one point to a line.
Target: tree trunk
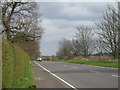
8 34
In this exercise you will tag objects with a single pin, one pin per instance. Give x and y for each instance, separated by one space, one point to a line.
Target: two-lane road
83 76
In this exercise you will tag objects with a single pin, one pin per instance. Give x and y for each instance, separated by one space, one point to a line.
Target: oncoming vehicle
39 59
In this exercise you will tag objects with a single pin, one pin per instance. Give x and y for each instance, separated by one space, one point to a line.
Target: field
113 64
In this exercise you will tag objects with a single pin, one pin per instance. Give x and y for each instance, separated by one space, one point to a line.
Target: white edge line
56 76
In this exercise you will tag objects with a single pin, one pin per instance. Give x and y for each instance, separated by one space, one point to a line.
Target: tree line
88 41
21 25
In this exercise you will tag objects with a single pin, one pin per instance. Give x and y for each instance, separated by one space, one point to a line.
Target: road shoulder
45 79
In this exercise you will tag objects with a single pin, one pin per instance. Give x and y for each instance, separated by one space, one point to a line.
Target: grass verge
27 80
92 62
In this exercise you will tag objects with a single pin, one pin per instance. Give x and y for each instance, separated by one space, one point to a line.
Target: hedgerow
15 62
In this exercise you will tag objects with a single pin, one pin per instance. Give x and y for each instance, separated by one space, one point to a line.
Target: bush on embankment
15 64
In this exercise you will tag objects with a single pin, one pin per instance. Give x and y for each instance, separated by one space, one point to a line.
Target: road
46 80
82 76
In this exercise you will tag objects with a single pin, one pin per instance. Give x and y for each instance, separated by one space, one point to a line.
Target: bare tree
32 47
76 49
83 40
109 31
22 25
20 17
64 48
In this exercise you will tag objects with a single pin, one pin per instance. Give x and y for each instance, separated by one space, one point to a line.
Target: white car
39 59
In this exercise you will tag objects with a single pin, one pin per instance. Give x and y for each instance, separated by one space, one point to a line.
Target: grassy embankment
92 62
16 68
27 80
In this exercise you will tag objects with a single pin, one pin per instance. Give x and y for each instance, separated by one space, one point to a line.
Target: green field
92 62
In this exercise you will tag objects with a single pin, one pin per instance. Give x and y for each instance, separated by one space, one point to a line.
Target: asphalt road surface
45 80
81 76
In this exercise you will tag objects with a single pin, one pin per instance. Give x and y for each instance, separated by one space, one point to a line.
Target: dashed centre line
65 65
75 67
56 76
93 71
115 76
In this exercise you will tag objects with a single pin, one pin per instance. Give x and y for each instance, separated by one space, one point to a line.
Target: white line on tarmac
75 67
115 76
93 71
65 65
56 76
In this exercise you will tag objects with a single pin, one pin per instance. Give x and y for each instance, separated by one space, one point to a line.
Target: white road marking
56 76
93 71
65 65
75 67
115 76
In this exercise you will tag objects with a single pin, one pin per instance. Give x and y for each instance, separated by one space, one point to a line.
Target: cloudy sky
61 18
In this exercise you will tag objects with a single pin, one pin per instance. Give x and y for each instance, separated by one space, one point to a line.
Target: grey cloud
60 20
72 24
73 11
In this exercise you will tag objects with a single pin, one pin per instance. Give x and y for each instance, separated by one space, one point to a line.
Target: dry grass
100 58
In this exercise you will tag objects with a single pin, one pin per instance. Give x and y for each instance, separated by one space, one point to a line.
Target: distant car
39 59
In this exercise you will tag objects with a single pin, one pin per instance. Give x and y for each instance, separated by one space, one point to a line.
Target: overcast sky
60 21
